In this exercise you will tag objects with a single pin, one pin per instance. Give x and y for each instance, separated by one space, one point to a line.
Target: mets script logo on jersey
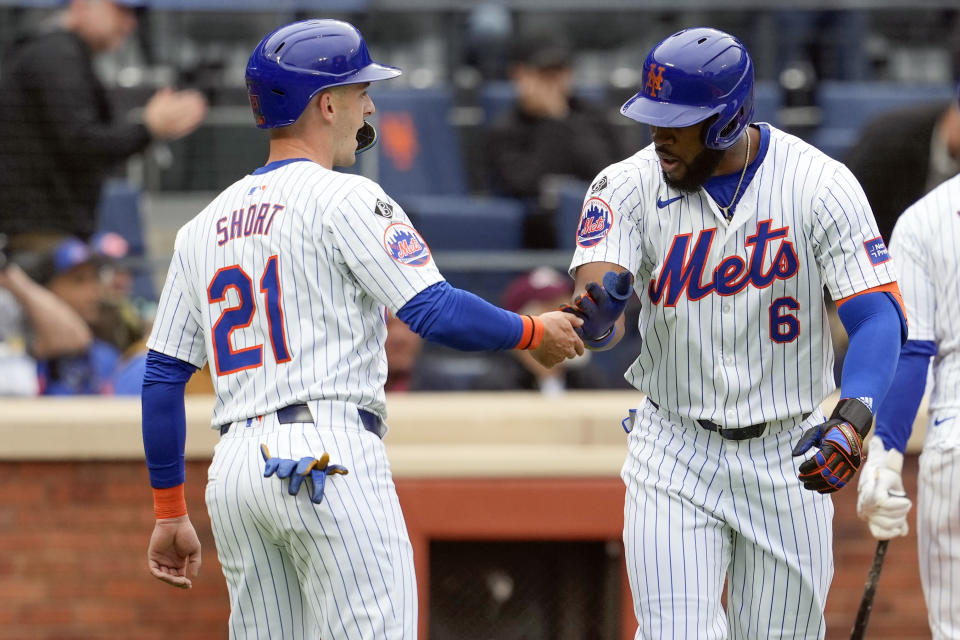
383 209
598 186
405 245
876 251
596 219
654 79
684 272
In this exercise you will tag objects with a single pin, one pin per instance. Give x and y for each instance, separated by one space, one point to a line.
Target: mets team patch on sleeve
405 245
596 220
876 251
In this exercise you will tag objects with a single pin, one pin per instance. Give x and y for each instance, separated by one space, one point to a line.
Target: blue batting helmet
691 76
297 61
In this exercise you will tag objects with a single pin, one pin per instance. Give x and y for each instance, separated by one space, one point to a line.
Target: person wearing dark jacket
547 133
59 138
902 155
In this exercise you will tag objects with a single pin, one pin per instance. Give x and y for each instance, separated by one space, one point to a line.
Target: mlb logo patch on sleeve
876 251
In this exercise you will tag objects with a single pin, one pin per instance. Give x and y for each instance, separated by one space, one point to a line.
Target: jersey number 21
226 358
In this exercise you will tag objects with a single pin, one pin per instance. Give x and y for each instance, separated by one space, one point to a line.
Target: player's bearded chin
697 172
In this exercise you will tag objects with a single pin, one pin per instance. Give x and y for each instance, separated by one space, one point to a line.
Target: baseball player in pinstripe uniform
282 284
728 232
926 246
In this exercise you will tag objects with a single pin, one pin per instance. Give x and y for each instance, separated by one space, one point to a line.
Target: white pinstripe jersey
926 246
733 321
281 284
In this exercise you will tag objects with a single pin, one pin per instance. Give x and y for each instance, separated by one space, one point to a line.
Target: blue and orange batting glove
297 470
600 307
840 444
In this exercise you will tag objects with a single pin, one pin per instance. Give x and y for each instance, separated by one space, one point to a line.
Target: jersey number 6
227 359
784 327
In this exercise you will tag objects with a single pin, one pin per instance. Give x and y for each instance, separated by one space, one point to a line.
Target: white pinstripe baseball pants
342 569
699 509
938 525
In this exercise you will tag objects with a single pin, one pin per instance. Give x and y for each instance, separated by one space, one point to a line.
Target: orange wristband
169 503
532 334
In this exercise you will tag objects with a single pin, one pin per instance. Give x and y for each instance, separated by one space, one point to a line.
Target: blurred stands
847 106
119 211
433 118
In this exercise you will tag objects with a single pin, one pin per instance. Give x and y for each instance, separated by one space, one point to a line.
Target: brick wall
73 539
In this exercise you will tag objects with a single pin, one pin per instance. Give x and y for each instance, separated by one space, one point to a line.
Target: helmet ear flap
708 124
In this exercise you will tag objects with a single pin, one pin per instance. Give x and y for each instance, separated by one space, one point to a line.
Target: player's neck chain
743 172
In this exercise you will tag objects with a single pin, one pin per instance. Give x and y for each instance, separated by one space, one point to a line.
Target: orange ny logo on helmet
654 79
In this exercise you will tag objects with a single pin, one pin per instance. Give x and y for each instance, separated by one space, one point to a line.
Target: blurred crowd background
505 111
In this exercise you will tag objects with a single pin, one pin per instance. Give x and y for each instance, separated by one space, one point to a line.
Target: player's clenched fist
881 498
560 339
840 444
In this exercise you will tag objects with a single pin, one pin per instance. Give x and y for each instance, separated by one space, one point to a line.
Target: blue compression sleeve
876 328
898 410
459 319
164 418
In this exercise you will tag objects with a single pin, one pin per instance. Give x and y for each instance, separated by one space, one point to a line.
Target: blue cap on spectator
70 253
74 252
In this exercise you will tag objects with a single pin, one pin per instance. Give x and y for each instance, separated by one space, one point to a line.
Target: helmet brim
370 73
664 114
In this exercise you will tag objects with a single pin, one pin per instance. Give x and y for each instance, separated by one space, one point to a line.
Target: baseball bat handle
869 589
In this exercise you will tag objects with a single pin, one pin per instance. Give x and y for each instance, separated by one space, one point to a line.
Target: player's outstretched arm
560 339
174 552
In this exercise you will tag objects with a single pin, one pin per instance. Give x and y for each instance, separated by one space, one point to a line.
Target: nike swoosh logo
936 423
663 203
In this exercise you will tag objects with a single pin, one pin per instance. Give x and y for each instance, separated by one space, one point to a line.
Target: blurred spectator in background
548 133
904 154
72 272
535 292
403 348
58 136
34 324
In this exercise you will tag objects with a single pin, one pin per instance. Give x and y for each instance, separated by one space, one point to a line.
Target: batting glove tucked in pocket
297 470
840 444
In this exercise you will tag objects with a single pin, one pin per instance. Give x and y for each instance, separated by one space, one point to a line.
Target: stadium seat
766 102
569 203
848 106
419 151
119 211
451 223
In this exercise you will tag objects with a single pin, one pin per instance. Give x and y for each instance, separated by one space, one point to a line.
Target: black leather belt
739 433
301 413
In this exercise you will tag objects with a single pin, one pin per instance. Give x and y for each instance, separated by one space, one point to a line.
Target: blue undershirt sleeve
898 410
876 329
459 319
164 418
